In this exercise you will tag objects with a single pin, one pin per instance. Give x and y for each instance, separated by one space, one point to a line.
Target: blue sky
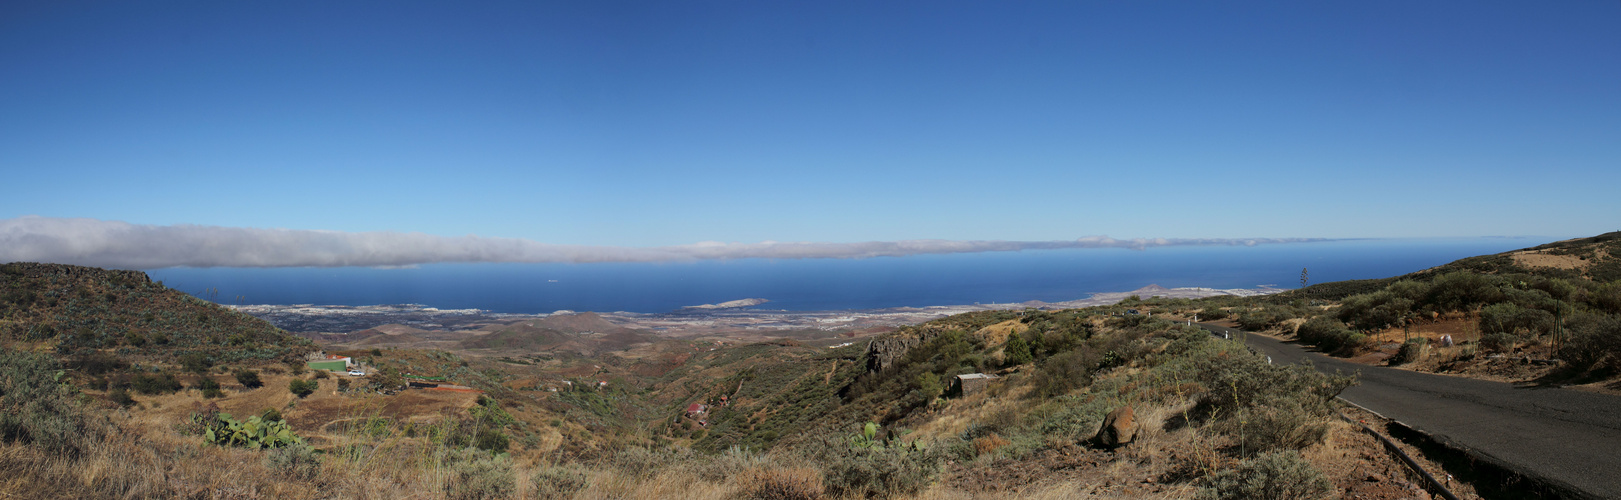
650 124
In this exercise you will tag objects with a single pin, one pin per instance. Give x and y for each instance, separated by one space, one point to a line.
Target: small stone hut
965 384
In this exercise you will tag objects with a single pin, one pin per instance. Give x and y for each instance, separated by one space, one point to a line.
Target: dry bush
875 472
989 444
725 465
606 484
476 475
1280 475
556 483
639 462
297 462
797 483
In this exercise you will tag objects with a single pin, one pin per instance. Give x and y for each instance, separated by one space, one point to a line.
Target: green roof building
332 363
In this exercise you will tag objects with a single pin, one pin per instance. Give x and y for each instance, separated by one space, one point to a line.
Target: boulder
1118 428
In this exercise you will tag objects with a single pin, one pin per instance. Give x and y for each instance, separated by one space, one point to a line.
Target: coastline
341 320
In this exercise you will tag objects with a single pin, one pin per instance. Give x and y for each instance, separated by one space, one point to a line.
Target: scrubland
113 387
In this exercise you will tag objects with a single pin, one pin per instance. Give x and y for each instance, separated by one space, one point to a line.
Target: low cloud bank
114 244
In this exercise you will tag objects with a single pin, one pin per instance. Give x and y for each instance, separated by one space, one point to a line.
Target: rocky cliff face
885 351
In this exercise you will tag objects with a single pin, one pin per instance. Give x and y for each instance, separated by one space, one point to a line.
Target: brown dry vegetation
150 456
799 422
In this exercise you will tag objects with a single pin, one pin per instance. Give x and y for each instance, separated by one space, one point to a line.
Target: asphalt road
1567 437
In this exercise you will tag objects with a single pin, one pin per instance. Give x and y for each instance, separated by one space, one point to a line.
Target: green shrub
475 475
1499 318
1264 318
249 379
1498 342
1594 342
874 472
1329 334
1410 351
302 388
121 397
492 440
1282 424
163 383
1268 406
270 415
1074 418
1377 310
1065 372
387 379
1463 291
1280 475
210 388
37 407
1017 351
97 363
196 362
556 483
1212 314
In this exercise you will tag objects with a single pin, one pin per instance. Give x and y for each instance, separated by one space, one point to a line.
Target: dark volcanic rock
884 352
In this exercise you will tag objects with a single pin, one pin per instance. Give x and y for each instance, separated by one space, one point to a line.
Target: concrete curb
1549 486
1434 485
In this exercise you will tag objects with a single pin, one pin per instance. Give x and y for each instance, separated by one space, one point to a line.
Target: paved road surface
1568 437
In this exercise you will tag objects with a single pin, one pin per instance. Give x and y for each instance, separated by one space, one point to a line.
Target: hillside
571 406
1595 259
73 310
1489 316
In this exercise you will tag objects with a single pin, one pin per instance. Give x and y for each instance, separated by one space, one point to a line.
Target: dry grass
998 333
1536 259
958 414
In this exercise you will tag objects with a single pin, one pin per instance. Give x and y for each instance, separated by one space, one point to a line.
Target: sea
832 284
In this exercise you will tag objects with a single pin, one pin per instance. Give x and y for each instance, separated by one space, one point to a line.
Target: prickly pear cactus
252 433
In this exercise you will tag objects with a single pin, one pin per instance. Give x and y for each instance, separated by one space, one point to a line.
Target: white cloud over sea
115 244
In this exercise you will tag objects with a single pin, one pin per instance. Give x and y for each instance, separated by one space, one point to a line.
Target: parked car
356 373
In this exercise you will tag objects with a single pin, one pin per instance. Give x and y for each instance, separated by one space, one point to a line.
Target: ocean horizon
831 284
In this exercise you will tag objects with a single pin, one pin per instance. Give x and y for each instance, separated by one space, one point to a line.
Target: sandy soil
1538 259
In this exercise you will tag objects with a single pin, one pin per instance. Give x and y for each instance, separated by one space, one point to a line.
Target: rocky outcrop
1118 428
885 351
